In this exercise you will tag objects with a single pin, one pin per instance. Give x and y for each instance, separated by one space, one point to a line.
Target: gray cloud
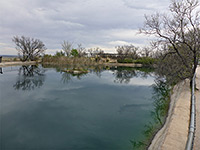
90 22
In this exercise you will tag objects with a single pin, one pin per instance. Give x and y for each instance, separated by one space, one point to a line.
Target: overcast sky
93 23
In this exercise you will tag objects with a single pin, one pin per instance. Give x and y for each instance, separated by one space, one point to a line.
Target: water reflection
92 108
131 107
161 100
121 74
125 74
29 77
161 95
67 76
1 70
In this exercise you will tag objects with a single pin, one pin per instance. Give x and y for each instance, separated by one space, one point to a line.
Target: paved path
173 135
197 132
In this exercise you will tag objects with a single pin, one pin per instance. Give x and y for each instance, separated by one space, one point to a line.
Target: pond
47 109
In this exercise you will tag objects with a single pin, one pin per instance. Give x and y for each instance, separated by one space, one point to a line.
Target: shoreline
15 63
4 64
174 133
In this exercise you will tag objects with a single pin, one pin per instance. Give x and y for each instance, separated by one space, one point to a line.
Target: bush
59 54
148 61
74 53
126 60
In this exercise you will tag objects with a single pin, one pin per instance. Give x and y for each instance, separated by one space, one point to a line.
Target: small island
76 71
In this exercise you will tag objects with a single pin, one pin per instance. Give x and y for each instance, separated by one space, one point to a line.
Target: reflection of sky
89 113
108 78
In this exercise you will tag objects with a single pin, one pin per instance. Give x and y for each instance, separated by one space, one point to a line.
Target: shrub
148 61
74 53
126 60
59 54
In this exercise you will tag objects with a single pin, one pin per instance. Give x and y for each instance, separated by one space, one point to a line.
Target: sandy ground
173 135
3 64
197 132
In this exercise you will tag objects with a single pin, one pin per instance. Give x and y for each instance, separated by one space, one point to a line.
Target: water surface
45 109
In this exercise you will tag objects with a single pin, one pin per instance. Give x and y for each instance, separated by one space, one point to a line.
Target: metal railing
190 140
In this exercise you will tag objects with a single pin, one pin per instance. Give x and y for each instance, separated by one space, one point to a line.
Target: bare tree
127 51
95 51
179 31
28 48
67 47
146 52
81 50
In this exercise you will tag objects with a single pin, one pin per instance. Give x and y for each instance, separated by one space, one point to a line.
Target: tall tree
28 48
67 47
179 30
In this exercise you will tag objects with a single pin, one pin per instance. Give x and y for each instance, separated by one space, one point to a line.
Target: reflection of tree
121 74
161 94
29 77
67 76
1 70
97 70
124 74
161 100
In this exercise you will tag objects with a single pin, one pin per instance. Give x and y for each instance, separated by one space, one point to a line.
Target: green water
45 109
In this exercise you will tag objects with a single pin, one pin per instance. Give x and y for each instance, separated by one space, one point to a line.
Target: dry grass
83 61
10 59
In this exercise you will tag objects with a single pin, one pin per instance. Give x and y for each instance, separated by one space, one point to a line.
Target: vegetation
79 56
132 54
28 48
10 59
178 37
67 47
76 71
70 61
58 54
127 51
125 60
178 44
146 61
74 53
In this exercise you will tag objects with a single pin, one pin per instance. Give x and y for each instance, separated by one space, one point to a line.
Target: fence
190 140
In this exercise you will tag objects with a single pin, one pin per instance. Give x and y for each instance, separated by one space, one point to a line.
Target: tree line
30 49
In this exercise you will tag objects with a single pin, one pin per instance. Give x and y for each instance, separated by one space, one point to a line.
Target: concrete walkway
197 132
173 135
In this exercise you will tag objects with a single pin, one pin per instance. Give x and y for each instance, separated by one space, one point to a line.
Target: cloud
90 22
114 43
152 5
